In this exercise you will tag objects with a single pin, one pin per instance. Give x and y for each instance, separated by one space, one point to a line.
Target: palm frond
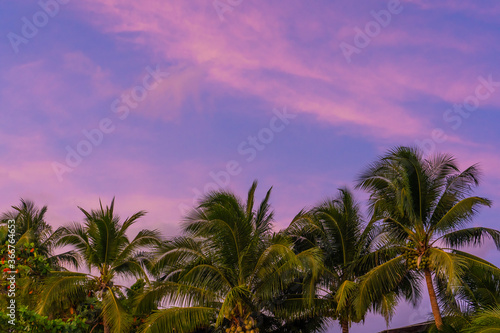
60 286
380 280
179 320
487 321
461 213
344 293
114 314
447 265
470 237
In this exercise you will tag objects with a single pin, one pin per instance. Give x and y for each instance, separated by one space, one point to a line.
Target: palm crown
424 206
227 268
336 226
31 227
103 247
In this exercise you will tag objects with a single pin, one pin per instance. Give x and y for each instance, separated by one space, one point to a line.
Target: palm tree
424 206
225 270
104 248
35 249
30 221
31 227
336 226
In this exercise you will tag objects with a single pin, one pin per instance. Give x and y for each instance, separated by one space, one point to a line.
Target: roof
415 328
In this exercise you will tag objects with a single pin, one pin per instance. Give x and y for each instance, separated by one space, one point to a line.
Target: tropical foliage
226 269
336 226
424 207
31 228
230 269
30 321
486 321
34 251
103 247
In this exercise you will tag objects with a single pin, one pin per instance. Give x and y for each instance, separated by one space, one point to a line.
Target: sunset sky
155 102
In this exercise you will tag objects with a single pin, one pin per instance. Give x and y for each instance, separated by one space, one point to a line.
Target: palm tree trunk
345 326
105 324
432 296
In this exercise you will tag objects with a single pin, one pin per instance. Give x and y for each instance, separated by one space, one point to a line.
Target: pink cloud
239 53
239 56
50 89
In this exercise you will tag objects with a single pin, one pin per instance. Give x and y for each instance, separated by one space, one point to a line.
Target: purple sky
300 95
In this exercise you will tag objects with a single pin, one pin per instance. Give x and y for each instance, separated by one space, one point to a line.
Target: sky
157 102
